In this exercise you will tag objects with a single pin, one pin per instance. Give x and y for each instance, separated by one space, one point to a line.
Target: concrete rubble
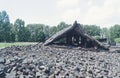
39 61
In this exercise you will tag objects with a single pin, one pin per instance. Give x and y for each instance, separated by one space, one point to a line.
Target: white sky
51 12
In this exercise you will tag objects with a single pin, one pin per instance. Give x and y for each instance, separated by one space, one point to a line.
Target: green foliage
36 32
117 40
40 32
40 36
20 30
105 33
97 37
61 26
52 30
4 27
114 32
92 30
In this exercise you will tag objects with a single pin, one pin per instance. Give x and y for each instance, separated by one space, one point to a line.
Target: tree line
19 32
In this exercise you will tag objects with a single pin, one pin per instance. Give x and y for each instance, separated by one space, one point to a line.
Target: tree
92 30
61 26
40 36
12 33
105 33
36 32
114 32
21 32
47 31
52 31
4 26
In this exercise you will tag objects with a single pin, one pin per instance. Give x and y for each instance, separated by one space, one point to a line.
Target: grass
4 44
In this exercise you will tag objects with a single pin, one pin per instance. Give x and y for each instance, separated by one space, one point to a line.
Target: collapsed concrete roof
75 35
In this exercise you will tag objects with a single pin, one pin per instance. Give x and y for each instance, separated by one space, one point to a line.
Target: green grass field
3 44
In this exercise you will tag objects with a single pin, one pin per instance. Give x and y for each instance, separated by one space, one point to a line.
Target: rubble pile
39 61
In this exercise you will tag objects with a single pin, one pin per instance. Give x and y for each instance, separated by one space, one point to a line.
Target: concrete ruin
75 36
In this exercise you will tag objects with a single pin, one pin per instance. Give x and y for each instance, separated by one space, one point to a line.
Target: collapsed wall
75 35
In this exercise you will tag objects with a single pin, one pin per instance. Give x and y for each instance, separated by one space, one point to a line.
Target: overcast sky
51 12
